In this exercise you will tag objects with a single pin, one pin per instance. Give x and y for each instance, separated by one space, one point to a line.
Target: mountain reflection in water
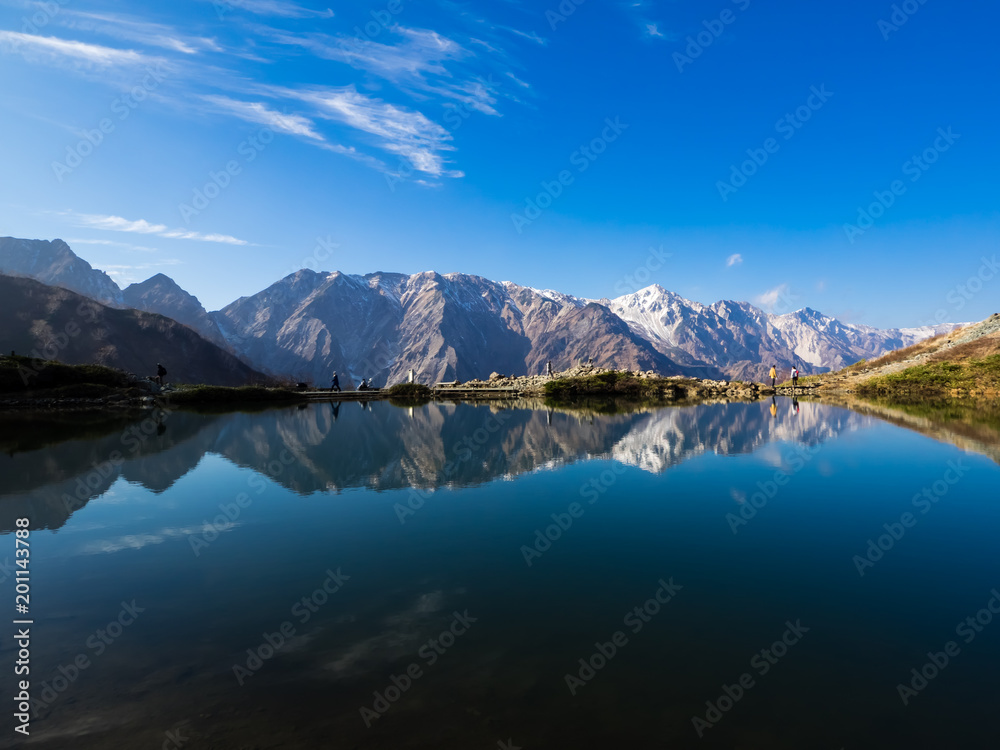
522 540
331 447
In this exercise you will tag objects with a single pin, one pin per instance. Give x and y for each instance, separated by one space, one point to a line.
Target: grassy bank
940 377
25 381
946 410
409 394
23 374
610 384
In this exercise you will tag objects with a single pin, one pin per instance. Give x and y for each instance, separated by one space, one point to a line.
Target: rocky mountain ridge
459 326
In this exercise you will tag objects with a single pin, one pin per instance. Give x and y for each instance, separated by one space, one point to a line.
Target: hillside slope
48 322
965 361
160 294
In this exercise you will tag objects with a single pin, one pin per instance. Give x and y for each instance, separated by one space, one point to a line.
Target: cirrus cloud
113 223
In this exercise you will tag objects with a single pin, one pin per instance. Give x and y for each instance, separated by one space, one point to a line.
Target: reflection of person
335 406
335 385
773 374
774 407
795 405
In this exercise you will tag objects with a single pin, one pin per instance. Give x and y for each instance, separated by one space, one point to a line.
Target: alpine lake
786 574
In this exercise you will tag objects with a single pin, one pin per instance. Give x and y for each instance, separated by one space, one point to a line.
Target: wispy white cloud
422 75
138 541
734 260
261 114
653 30
141 226
110 243
407 133
772 297
133 30
55 49
423 61
280 8
118 224
530 35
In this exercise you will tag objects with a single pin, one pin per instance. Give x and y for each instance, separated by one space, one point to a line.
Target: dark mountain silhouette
47 322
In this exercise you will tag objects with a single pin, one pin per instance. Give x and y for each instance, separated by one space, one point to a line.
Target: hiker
795 377
363 386
410 376
161 373
335 385
773 374
548 369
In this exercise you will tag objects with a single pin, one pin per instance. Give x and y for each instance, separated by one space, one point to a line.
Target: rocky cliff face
745 341
445 327
456 326
160 294
56 264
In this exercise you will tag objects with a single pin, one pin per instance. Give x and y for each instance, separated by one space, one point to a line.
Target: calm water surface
466 576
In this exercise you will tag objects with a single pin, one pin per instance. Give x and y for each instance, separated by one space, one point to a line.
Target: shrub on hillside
409 394
26 374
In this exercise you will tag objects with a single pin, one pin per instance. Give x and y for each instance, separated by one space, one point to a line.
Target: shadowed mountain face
47 322
331 447
160 294
54 263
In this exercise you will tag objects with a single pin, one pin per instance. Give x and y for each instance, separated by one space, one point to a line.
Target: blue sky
726 150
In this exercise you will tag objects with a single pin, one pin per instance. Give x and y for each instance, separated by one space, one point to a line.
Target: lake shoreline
581 382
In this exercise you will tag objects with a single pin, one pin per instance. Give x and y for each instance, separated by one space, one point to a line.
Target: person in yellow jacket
773 374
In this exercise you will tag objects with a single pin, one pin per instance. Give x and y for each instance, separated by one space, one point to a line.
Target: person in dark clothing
335 385
795 377
161 373
363 386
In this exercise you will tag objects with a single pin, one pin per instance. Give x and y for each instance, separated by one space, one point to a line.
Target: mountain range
458 326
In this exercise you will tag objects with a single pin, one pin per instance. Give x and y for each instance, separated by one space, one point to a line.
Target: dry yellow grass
921 347
976 349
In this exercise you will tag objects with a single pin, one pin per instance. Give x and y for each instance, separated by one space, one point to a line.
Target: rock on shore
683 387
